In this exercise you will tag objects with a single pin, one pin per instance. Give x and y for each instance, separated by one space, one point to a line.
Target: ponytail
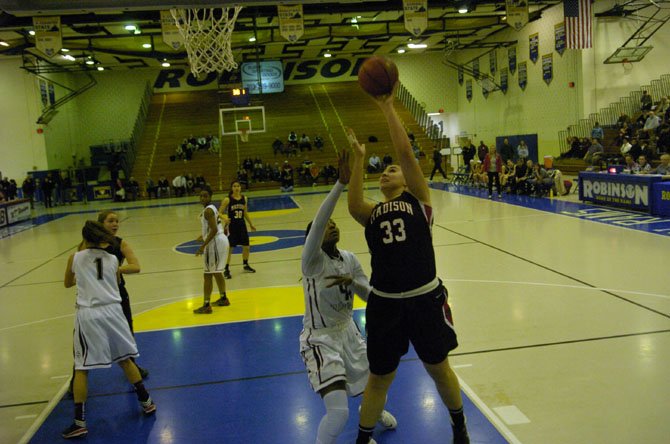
95 233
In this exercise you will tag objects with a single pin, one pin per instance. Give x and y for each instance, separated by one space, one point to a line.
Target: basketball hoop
243 134
207 34
627 66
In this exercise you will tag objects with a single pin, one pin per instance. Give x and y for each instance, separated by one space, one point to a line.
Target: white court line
500 425
18 418
461 366
27 324
43 415
60 377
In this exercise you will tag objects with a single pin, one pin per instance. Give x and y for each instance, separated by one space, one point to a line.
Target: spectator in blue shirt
597 132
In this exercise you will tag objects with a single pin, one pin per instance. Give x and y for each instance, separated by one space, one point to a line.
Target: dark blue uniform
237 230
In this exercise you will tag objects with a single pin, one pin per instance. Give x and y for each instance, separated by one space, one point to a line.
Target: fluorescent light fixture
146 45
137 31
354 20
3 43
64 50
252 39
417 45
68 57
434 114
100 68
90 62
504 17
327 55
31 32
165 64
401 51
130 27
463 10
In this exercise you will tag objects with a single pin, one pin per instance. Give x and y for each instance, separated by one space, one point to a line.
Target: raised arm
132 264
416 183
359 209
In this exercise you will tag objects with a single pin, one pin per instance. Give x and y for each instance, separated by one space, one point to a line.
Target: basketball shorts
102 337
216 254
335 354
238 236
423 320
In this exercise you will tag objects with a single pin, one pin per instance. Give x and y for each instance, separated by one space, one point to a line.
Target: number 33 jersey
97 282
401 244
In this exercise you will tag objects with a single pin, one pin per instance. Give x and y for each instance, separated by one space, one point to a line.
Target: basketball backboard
628 54
249 118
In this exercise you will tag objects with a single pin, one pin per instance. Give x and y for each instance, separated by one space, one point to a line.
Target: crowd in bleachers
191 145
295 144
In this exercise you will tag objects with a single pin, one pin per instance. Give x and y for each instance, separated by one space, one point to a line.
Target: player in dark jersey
235 214
403 306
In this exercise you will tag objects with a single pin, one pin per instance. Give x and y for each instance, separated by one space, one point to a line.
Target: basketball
377 76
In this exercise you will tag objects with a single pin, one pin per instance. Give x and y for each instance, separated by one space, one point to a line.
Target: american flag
577 23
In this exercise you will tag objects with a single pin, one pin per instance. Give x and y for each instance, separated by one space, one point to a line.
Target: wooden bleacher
311 109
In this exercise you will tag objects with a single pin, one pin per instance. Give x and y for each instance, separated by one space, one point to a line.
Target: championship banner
460 74
504 80
511 59
171 35
559 35
43 92
416 15
468 90
523 75
18 212
291 26
517 13
485 90
475 68
534 47
548 68
47 35
493 62
52 93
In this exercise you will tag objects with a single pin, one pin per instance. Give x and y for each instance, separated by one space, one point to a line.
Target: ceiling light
417 45
354 20
433 114
327 55
146 45
68 57
3 43
359 16
504 17
463 10
130 27
252 39
65 50
90 62
401 51
137 31
165 64
100 68
31 32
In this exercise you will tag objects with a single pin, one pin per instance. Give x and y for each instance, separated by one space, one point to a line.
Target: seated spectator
623 119
243 177
292 140
631 167
524 172
318 143
214 145
179 152
304 171
645 167
646 151
663 168
508 177
163 187
522 151
540 181
248 165
663 139
652 122
313 174
259 174
575 151
625 132
646 102
119 191
179 185
559 184
634 149
133 187
192 140
276 172
329 172
277 147
201 143
150 188
594 153
190 183
663 106
305 143
597 132
625 147
374 164
267 172
386 161
477 176
286 177
200 183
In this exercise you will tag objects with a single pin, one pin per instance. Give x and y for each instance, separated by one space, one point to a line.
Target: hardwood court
563 326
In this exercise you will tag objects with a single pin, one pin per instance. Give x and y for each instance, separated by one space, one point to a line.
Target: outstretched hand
343 167
339 279
359 150
386 100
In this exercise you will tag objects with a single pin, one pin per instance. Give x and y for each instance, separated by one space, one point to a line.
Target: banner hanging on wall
475 68
291 25
171 35
511 59
416 15
504 80
493 62
468 90
559 36
548 68
534 47
460 74
44 95
48 37
517 13
523 75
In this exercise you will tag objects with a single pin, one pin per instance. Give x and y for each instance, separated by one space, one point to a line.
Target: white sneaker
372 441
388 420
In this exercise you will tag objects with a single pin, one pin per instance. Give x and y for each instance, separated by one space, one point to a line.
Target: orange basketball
377 76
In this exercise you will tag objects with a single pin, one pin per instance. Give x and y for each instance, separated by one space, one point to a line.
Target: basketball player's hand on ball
339 279
359 150
343 167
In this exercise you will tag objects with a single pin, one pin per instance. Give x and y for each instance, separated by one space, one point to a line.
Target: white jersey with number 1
96 274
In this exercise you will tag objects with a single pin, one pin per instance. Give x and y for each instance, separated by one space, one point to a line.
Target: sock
457 418
142 393
246 261
80 414
333 422
364 434
226 267
223 296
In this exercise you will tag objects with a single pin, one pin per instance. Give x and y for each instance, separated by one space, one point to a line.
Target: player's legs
374 399
133 375
449 389
337 412
207 291
80 392
80 386
226 271
245 259
221 285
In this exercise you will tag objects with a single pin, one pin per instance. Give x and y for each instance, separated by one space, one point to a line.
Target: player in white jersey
214 249
331 345
101 335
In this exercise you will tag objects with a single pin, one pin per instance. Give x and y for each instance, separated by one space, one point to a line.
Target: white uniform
216 251
101 332
331 345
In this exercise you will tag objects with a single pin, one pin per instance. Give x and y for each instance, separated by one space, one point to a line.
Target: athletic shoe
148 407
499 196
490 196
388 420
222 302
461 436
205 309
74 431
248 269
226 274
144 373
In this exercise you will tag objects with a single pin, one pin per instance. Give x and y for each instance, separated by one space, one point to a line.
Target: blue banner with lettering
523 75
534 47
559 35
632 191
493 62
548 68
504 80
511 59
468 90
460 74
475 68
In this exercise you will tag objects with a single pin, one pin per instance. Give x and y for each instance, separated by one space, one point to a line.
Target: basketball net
627 66
207 34
244 135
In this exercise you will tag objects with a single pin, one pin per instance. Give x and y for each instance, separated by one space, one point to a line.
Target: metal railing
432 129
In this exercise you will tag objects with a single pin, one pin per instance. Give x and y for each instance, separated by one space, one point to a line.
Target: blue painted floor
245 383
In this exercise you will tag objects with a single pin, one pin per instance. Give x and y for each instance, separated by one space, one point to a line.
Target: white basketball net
206 34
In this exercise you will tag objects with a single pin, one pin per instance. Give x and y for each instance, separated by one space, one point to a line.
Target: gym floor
562 310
